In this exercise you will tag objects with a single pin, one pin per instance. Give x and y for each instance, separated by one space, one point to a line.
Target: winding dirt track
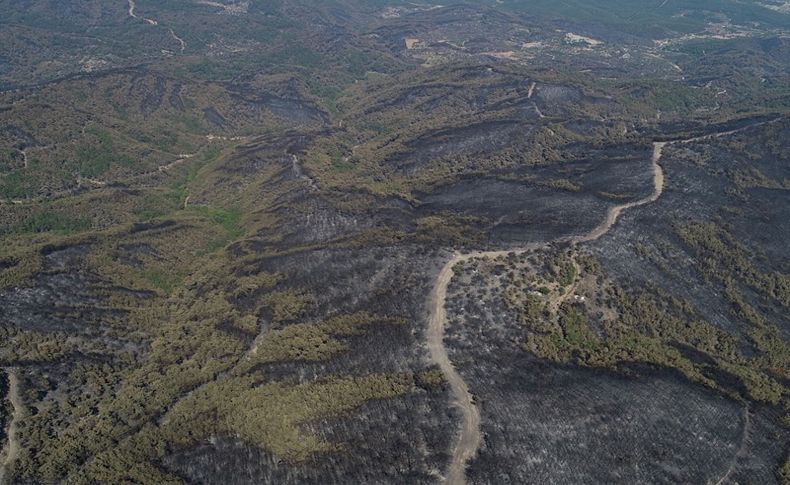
132 7
614 212
471 436
181 42
742 449
11 451
94 184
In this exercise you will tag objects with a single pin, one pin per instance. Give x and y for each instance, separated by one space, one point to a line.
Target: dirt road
182 43
471 436
742 449
11 450
88 184
469 441
132 6
614 213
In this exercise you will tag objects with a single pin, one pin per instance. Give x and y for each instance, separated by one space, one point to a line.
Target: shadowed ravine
471 436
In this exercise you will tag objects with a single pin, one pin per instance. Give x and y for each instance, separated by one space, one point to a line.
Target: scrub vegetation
220 225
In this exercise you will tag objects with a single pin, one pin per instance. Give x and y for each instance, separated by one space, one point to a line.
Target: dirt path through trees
471 436
132 14
132 6
11 450
742 449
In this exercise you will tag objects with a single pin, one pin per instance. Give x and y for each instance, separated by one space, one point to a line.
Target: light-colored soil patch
572 38
510 55
228 9
779 7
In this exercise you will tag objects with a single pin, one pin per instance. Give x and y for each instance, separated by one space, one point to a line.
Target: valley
380 242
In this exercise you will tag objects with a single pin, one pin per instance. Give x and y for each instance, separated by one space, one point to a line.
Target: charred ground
219 258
